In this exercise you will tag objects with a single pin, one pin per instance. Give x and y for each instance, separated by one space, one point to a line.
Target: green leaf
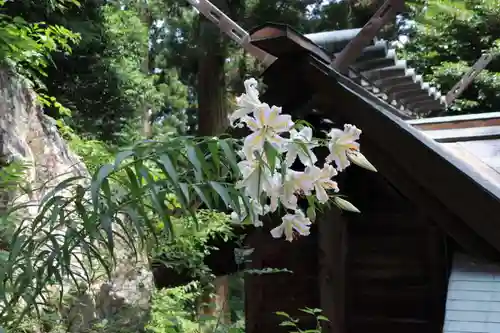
288 324
271 155
229 152
97 181
202 196
283 314
223 193
193 159
157 200
168 166
311 213
107 225
213 147
121 156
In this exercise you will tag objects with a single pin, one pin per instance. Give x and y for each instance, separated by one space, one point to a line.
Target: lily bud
360 160
345 205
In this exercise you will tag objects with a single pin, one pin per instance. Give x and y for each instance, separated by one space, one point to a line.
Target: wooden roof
474 139
377 69
459 196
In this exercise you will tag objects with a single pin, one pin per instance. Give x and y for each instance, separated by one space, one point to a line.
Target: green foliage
12 181
113 208
294 324
173 310
449 38
26 47
176 311
94 153
188 249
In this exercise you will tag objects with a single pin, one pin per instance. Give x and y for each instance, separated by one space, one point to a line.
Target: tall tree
211 80
448 38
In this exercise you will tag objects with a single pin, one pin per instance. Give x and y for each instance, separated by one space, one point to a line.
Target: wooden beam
467 79
355 47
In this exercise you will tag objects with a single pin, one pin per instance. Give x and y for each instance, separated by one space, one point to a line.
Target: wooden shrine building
420 256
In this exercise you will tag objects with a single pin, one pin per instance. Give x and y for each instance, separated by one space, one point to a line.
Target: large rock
27 135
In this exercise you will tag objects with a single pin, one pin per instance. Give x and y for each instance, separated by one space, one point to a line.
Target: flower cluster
267 157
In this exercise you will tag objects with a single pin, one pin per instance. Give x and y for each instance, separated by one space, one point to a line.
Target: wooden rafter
353 50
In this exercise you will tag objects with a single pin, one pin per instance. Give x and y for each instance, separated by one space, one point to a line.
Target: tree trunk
212 108
212 120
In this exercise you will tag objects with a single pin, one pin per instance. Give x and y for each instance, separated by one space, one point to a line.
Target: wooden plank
387 260
376 325
387 306
384 273
332 255
465 134
402 282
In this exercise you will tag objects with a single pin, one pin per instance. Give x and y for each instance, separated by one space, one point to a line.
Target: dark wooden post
332 254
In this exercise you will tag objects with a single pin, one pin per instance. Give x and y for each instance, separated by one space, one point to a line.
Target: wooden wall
395 265
392 272
265 294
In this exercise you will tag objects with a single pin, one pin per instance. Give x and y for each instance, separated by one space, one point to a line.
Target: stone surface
27 135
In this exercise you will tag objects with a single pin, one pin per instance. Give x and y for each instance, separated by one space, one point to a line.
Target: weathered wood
468 77
332 253
267 293
430 205
352 51
381 325
436 171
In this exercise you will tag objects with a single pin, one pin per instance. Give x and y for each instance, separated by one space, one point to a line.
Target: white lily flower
258 210
266 126
296 222
255 178
323 181
274 191
341 142
247 103
299 181
301 145
295 182
283 192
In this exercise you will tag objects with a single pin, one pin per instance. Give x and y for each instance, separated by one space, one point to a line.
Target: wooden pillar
438 267
332 258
